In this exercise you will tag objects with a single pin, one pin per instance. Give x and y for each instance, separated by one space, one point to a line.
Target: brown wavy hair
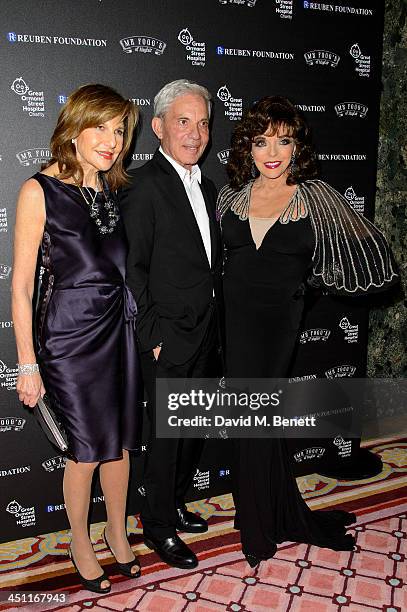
89 106
268 115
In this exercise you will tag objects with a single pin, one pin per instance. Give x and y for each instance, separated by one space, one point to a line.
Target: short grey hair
171 91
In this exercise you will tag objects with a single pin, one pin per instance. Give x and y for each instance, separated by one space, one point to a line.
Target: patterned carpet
298 578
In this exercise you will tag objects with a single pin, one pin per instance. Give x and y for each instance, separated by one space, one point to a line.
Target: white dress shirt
191 181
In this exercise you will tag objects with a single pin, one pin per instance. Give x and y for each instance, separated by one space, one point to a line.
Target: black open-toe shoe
91 585
124 568
252 560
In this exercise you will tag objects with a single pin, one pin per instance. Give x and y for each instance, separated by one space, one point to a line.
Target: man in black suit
173 271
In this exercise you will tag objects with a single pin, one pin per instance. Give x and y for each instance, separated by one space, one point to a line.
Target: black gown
263 292
85 340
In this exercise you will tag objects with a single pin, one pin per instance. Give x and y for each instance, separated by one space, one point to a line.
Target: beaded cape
351 255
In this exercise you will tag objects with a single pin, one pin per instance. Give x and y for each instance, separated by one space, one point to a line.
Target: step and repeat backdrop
325 57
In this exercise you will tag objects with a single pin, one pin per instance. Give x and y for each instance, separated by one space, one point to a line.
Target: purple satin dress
85 340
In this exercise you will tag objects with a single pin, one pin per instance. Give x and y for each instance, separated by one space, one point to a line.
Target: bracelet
27 369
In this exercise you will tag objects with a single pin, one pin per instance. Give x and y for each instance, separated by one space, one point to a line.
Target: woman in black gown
84 354
277 226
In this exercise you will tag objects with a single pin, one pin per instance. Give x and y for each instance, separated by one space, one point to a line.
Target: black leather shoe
173 551
189 522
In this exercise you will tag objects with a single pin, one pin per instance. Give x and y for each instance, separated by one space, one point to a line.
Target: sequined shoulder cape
351 255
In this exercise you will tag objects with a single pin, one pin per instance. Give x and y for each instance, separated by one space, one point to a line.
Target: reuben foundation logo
362 62
141 101
321 57
196 51
246 2
25 517
341 371
201 480
256 53
312 108
296 379
32 157
142 44
54 463
223 156
351 331
11 423
357 202
4 271
334 8
8 377
3 220
351 109
22 469
314 335
342 156
42 39
142 156
6 324
233 106
34 101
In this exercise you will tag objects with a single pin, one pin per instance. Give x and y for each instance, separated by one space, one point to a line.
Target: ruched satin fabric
84 327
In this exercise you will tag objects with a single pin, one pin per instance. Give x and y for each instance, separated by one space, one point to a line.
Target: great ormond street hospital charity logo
19 86
233 106
33 101
196 51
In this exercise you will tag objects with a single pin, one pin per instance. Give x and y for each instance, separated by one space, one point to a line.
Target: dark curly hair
270 113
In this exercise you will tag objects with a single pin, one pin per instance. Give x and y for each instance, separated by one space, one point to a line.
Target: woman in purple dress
84 354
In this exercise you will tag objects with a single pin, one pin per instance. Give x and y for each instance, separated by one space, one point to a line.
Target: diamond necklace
105 223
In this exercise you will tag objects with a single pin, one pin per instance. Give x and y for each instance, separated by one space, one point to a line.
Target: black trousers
171 463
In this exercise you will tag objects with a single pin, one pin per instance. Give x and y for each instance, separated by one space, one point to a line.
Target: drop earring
293 165
253 168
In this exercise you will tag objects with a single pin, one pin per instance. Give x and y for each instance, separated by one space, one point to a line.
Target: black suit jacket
167 268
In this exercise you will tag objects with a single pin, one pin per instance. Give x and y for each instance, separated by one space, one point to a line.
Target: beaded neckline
295 210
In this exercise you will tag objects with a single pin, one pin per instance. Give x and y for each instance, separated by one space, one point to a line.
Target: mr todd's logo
142 44
313 452
322 57
341 371
11 423
33 101
233 106
223 156
35 156
362 62
246 2
54 463
351 109
195 51
315 335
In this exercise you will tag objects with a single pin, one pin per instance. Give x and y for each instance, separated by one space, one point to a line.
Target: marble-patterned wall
388 322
